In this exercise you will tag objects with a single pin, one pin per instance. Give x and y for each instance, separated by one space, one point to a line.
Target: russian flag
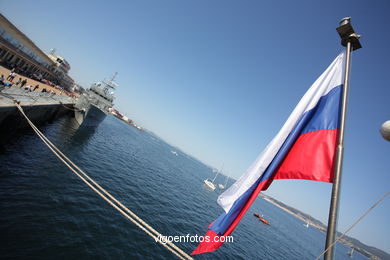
304 148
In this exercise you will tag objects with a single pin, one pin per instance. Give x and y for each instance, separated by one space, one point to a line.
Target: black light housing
347 34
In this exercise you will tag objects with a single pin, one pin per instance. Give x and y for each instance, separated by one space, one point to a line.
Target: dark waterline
48 213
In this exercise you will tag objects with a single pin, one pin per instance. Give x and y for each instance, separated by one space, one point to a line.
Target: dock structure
39 107
19 52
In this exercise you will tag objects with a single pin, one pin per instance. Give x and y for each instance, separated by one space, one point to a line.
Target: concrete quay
39 107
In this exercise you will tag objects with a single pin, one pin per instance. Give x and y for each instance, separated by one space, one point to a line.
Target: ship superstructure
97 101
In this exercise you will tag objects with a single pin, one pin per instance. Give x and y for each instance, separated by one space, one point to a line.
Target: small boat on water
261 218
210 184
222 186
307 224
350 253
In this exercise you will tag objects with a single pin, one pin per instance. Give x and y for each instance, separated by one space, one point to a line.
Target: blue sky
219 78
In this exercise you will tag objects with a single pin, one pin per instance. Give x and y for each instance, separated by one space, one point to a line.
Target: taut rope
104 194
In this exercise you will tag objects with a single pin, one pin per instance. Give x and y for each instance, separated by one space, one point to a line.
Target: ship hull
91 116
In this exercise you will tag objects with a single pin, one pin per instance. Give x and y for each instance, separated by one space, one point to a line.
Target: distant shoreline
320 226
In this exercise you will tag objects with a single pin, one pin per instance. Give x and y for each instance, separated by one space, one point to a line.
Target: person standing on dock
11 76
24 81
18 82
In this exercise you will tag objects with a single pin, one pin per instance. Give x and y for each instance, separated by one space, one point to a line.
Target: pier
40 108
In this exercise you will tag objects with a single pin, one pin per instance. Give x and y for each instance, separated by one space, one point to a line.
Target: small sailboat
307 224
350 253
210 184
221 186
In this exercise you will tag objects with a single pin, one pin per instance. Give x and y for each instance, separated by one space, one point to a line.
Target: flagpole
350 40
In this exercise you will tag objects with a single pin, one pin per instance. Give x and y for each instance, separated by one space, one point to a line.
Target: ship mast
114 76
111 84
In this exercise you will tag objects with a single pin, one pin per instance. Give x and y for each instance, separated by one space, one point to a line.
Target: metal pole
334 204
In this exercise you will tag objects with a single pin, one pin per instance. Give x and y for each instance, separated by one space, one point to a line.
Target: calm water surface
48 213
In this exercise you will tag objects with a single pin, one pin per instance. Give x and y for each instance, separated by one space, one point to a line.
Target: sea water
48 213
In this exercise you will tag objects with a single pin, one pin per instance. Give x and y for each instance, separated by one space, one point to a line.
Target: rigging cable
354 224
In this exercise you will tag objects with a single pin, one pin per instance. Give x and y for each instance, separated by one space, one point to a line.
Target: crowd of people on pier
23 72
23 83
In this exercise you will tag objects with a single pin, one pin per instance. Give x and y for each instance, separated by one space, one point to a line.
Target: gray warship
93 106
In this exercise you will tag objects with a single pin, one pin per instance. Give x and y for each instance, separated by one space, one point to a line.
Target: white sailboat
307 224
350 253
210 184
221 186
